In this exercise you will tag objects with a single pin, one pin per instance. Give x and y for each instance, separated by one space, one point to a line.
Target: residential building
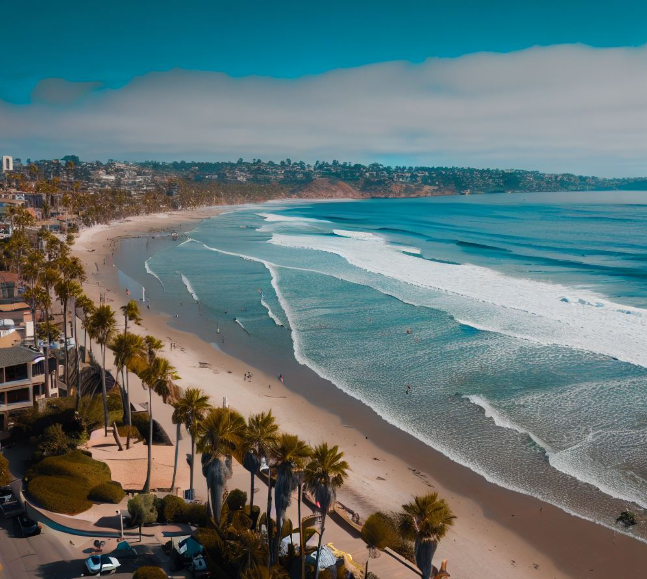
22 382
7 164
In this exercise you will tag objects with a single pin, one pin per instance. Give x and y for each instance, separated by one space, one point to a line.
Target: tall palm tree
260 434
290 454
222 435
190 410
324 474
159 377
153 345
130 356
102 326
48 279
131 313
67 288
425 521
87 307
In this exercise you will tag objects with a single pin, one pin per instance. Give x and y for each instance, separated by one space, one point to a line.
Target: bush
124 430
196 514
54 442
114 400
62 483
108 492
150 572
5 475
173 509
140 421
142 510
236 500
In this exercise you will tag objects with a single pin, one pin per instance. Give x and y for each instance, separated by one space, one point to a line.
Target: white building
7 164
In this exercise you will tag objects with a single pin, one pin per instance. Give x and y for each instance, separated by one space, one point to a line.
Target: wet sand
498 533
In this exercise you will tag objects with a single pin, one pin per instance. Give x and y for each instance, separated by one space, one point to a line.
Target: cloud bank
560 108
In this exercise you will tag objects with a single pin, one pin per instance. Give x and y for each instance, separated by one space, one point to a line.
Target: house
22 382
19 313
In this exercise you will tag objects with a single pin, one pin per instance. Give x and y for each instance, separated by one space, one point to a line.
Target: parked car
98 564
6 495
28 527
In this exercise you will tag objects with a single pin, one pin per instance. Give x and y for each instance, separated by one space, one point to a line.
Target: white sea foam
270 313
500 419
189 287
354 234
277 217
149 271
518 307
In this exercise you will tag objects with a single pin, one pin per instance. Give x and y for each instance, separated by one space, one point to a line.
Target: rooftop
17 355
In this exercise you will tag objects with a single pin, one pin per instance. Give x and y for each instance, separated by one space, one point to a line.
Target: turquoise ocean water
518 321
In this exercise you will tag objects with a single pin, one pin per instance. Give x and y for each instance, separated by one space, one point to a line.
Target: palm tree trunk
191 466
301 545
67 357
147 484
269 518
76 361
323 524
103 389
177 448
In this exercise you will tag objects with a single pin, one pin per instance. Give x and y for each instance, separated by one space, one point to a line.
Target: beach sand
497 534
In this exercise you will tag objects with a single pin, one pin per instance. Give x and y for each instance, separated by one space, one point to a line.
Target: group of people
247 376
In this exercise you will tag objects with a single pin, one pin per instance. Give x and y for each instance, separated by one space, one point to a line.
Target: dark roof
17 355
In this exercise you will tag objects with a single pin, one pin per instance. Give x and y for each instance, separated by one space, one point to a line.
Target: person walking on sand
281 378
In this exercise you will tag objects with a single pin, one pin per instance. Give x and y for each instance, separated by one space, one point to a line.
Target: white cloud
560 108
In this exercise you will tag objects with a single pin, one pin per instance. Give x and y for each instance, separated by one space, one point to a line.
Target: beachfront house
22 382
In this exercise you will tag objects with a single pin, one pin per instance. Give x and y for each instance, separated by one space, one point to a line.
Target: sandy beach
498 533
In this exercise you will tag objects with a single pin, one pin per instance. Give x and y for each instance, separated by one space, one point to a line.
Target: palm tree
158 377
246 551
425 521
67 288
48 279
378 532
130 355
260 434
324 474
222 435
87 307
153 345
131 313
190 410
290 454
102 326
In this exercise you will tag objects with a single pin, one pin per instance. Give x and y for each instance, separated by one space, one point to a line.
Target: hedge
108 492
150 572
173 509
62 483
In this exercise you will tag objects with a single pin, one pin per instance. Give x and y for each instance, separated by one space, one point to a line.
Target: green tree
159 377
190 410
260 434
221 437
290 454
324 474
142 510
130 354
101 328
378 532
425 521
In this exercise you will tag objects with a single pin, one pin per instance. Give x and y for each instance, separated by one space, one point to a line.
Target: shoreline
498 533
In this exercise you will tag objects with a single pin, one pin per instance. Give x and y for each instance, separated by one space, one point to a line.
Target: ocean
509 332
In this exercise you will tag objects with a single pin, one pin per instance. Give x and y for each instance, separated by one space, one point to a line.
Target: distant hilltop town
91 192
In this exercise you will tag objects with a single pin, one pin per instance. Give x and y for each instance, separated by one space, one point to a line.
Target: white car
98 564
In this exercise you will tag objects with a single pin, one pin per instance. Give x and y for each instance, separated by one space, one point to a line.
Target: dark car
28 527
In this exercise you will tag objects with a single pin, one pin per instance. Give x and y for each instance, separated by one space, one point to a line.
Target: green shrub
59 494
62 483
173 509
150 572
124 430
114 400
236 500
108 492
141 422
54 442
196 514
142 510
5 475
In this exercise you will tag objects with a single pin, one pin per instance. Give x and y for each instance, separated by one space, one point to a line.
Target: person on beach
281 378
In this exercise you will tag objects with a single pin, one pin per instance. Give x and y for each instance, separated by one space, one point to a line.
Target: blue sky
115 44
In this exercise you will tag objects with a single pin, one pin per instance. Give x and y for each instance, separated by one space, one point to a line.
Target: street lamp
121 525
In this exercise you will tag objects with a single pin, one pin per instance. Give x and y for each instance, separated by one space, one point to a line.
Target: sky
557 86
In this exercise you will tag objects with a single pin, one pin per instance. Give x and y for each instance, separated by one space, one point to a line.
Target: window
2 402
18 372
38 369
17 396
2 422
2 375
